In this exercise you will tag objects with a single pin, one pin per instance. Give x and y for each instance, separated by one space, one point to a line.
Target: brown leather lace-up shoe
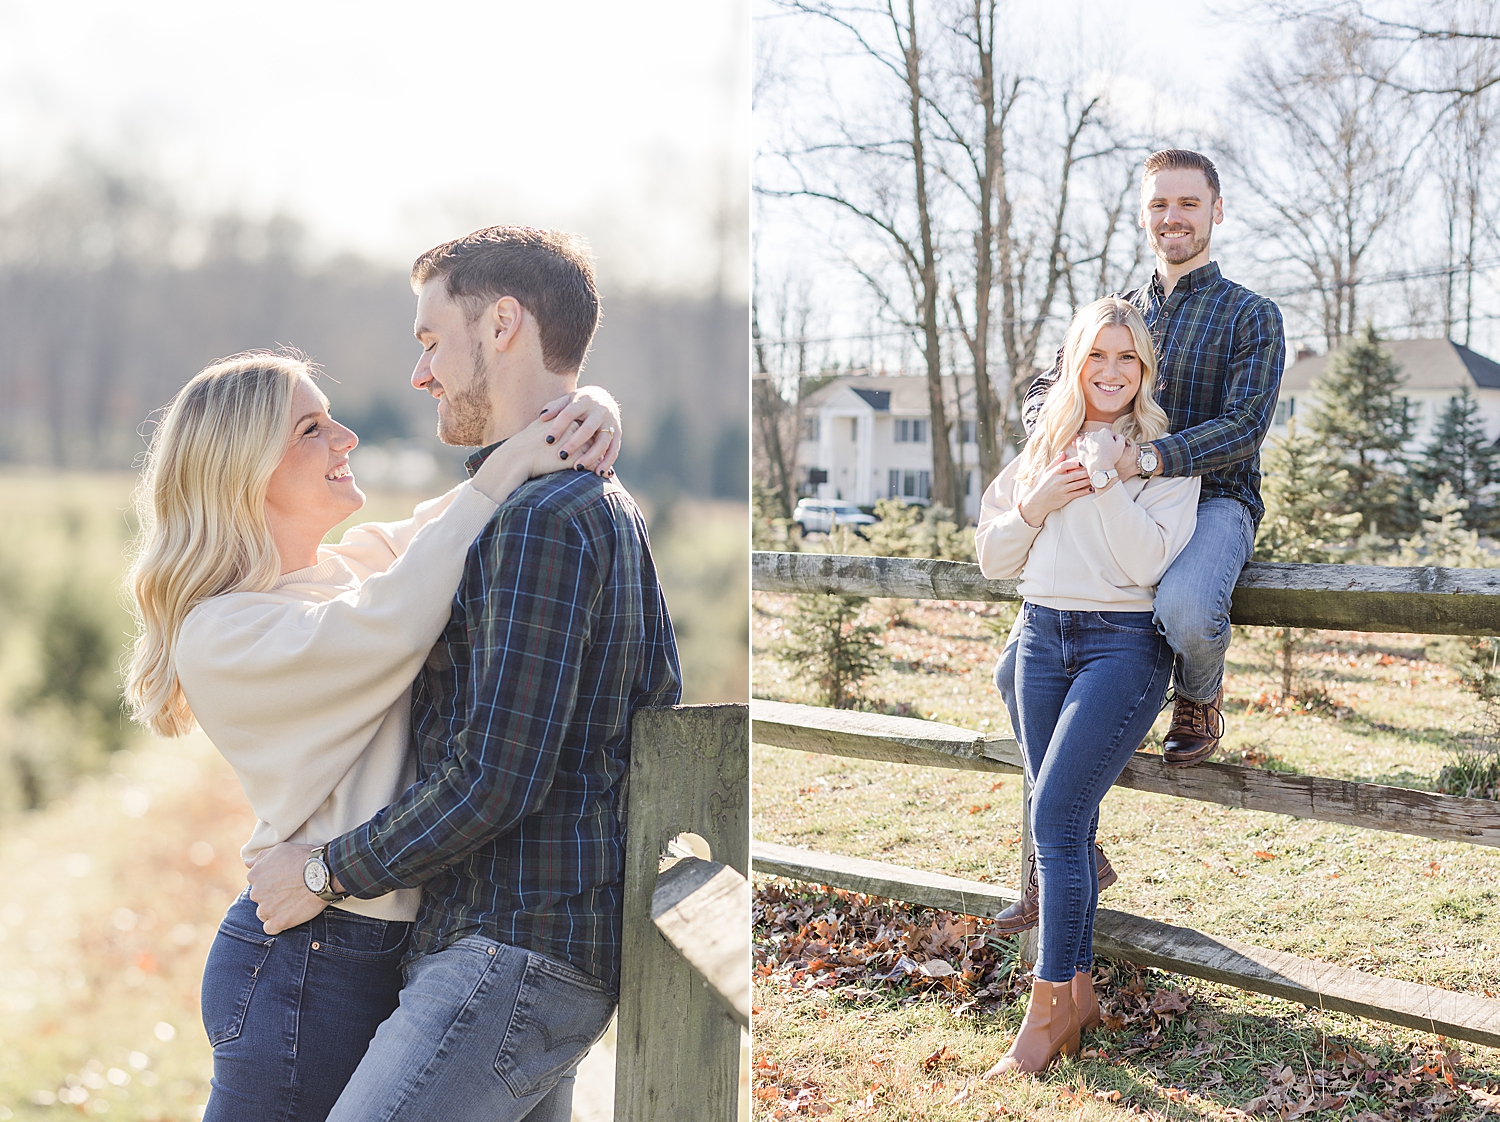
1195 732
1025 912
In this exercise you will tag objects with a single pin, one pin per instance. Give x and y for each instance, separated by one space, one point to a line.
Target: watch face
1148 461
1099 479
315 876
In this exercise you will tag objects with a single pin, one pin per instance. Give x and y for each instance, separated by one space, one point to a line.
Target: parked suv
819 516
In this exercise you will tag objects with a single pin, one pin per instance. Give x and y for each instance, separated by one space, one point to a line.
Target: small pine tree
1461 456
1303 494
826 641
1364 422
892 536
1443 538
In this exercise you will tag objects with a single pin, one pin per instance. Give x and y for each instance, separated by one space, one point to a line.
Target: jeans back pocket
557 1018
234 965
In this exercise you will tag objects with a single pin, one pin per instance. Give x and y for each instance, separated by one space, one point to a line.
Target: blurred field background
177 185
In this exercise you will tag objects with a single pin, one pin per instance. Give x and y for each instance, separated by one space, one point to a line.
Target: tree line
113 293
976 190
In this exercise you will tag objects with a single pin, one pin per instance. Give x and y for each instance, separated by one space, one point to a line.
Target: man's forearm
527 622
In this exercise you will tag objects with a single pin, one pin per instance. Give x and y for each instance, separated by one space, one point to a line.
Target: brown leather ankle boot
1197 727
1024 913
1085 1001
1050 1027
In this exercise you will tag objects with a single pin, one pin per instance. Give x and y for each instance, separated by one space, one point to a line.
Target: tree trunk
944 488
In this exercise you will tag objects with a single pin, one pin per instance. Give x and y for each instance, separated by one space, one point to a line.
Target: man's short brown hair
1181 159
548 272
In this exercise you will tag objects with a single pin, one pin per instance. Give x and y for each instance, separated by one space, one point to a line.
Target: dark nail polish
562 455
551 439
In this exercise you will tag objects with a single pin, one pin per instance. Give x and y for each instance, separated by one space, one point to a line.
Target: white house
1436 370
869 436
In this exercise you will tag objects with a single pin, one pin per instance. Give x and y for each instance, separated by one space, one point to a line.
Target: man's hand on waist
277 887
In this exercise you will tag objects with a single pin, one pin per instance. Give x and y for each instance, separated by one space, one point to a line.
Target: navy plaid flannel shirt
1220 352
521 723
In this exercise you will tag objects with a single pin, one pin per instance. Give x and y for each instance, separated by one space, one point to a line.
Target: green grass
1386 903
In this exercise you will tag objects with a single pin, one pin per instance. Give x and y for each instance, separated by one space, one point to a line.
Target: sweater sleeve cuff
352 860
1176 458
1113 502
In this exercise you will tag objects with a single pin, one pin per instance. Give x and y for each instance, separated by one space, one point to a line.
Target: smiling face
312 487
1111 375
1178 212
453 366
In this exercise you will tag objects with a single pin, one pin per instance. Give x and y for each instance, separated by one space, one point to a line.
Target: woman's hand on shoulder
579 431
1060 482
586 426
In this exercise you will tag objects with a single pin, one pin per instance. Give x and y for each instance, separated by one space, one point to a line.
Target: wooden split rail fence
1337 597
685 963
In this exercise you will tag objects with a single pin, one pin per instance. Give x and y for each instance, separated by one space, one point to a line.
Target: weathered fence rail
685 963
1335 597
1343 597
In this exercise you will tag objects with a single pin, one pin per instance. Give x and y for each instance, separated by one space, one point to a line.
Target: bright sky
1168 66
389 127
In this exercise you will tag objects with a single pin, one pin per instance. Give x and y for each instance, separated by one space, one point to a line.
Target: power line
1427 273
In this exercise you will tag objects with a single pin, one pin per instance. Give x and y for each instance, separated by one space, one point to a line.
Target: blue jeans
485 1032
290 1015
1191 606
1090 685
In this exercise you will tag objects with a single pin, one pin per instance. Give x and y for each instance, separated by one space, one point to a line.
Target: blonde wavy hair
201 505
1062 412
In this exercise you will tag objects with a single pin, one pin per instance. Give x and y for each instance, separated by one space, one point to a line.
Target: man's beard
1176 252
469 409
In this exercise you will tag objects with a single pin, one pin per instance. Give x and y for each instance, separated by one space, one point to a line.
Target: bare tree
774 392
884 180
1327 150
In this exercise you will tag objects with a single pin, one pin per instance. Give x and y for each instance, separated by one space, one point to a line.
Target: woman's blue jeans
1088 687
290 1015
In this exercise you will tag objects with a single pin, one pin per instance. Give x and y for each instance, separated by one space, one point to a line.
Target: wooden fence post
677 1049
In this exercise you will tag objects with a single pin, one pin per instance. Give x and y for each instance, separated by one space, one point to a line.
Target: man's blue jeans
290 1015
1191 606
1090 685
486 1032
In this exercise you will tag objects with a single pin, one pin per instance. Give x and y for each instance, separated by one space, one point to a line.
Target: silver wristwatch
1146 461
1101 479
319 878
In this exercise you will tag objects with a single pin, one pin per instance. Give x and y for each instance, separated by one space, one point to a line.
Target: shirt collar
471 465
1201 277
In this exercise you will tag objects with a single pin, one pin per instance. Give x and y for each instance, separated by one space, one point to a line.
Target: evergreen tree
1363 421
1443 539
828 643
1304 523
1461 455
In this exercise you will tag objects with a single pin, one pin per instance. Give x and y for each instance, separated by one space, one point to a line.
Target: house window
911 431
966 432
968 483
854 429
1285 408
908 485
810 427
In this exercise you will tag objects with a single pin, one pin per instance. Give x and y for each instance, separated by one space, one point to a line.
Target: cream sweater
306 689
1101 553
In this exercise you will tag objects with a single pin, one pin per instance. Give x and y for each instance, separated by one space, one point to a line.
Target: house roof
891 393
1428 364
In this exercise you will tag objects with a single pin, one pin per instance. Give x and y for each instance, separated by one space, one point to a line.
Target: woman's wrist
1022 513
495 481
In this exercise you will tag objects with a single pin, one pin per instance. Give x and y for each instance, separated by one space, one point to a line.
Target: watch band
326 892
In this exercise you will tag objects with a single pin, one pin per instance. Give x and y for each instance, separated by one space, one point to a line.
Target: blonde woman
297 659
1091 668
